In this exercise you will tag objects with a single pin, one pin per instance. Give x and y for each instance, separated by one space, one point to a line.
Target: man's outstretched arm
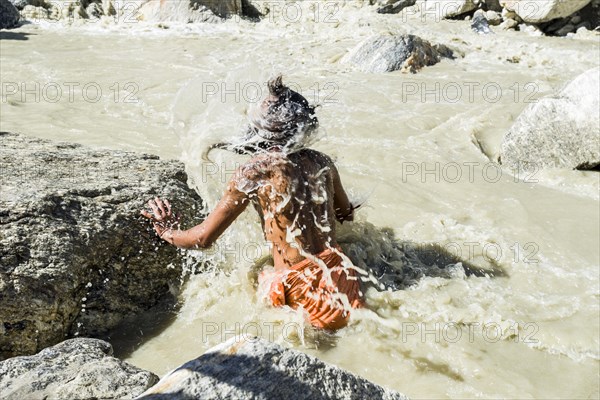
231 205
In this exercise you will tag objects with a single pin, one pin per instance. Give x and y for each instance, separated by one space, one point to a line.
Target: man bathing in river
298 195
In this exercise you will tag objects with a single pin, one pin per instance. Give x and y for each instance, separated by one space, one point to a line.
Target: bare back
298 196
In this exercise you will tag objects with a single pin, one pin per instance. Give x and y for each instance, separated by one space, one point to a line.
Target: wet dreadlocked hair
284 119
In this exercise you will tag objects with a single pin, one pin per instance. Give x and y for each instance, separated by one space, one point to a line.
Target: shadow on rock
251 368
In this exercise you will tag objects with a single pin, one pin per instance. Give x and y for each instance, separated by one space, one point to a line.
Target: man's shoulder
317 156
260 166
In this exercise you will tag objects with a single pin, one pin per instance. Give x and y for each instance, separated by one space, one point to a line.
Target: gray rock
176 11
560 131
94 10
20 4
509 24
493 5
448 9
480 23
565 30
556 25
394 6
388 52
75 255
244 368
538 11
508 14
192 11
494 18
222 8
33 13
585 25
74 369
9 15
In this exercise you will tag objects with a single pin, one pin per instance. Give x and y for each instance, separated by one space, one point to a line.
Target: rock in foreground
558 132
388 52
250 368
75 255
75 369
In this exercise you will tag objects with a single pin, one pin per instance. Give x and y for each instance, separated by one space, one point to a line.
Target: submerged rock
538 11
75 256
9 15
250 368
558 132
74 369
394 6
388 52
480 23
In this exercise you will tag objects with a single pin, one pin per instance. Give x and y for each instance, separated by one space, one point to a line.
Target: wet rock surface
246 367
75 255
74 369
388 52
560 131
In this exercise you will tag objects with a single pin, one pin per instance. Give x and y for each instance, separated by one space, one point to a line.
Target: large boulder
75 369
246 367
185 11
389 52
75 256
449 8
9 15
558 132
191 11
538 11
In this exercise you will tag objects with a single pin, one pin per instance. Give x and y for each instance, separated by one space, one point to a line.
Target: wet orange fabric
305 284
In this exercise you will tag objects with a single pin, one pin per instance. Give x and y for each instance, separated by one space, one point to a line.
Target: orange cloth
305 284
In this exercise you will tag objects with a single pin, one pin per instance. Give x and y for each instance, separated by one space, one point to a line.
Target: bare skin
298 197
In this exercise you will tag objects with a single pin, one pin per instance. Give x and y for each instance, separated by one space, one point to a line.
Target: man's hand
161 216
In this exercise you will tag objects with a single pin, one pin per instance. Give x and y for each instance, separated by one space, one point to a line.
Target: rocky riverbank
73 369
75 256
241 368
551 17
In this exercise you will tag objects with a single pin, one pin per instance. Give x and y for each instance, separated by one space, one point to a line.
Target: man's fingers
154 208
146 214
168 205
160 205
